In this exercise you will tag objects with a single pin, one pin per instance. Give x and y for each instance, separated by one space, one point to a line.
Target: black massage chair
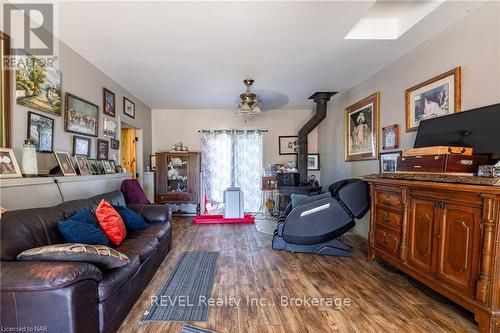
316 227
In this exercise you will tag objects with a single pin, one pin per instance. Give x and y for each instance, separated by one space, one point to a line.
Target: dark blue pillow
82 227
132 220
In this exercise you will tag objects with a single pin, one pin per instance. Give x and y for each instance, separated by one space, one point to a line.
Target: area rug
193 329
184 296
265 223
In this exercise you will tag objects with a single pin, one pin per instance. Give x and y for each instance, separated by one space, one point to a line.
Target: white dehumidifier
233 199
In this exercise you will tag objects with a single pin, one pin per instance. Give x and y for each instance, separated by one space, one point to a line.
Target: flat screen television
478 128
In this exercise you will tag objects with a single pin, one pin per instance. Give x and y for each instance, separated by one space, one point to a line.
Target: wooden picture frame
108 102
314 166
102 149
128 107
71 115
432 98
65 163
5 102
288 144
34 131
83 166
388 162
390 137
8 164
361 129
77 150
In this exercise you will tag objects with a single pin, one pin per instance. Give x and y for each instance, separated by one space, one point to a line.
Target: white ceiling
195 54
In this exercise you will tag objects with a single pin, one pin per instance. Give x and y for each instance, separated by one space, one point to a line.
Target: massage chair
316 227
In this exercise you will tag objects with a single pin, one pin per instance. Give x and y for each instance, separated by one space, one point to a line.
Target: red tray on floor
208 219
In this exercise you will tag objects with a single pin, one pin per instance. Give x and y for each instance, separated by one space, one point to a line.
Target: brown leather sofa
75 296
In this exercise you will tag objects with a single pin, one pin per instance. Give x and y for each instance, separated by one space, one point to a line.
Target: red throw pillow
111 222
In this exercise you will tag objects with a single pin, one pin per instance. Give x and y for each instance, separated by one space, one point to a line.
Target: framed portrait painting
361 129
288 145
128 107
102 149
389 161
115 144
437 97
41 131
108 102
65 163
390 137
81 116
83 167
8 164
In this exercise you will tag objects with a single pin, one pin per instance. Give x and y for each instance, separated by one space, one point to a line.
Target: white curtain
239 152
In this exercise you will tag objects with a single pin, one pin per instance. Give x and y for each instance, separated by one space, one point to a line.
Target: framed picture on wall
8 164
110 128
390 137
64 161
38 85
82 164
5 85
313 162
361 129
81 145
436 97
41 131
128 107
81 116
288 145
115 144
108 102
389 161
102 149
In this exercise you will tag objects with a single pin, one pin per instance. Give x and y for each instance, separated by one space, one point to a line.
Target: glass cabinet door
177 173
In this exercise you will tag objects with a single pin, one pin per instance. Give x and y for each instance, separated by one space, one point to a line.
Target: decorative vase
29 165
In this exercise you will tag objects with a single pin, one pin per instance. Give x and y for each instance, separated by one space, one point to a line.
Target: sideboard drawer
387 241
389 199
389 219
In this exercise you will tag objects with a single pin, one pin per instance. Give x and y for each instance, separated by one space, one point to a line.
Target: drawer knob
387 202
386 218
385 241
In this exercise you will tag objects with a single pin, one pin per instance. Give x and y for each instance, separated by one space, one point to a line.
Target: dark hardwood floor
380 301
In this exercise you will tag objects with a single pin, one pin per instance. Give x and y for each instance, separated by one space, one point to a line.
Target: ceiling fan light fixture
248 105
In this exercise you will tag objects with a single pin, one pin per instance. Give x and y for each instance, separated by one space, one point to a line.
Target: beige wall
172 126
84 80
473 43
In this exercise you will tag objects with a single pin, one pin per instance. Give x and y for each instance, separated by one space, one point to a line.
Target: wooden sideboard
445 235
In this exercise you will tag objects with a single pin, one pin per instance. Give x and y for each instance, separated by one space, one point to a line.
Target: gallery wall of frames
72 113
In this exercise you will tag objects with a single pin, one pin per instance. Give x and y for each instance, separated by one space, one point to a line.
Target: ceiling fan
249 104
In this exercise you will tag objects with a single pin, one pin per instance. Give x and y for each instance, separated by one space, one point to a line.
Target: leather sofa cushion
152 213
143 247
47 275
157 230
114 279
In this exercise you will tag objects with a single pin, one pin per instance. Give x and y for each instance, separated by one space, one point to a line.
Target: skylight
390 19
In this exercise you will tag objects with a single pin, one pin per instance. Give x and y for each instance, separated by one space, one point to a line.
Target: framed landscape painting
81 116
437 97
361 129
38 85
313 162
108 103
41 131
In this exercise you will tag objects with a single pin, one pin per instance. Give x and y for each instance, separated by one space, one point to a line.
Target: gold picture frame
361 129
431 98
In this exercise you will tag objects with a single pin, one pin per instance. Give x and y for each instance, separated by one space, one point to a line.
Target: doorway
129 150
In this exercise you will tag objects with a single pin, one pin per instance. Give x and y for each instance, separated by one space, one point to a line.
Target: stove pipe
321 99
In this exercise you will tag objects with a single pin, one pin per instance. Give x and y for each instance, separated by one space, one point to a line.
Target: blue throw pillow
132 220
82 227
299 199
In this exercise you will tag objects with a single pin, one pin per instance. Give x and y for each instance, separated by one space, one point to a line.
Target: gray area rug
185 295
193 329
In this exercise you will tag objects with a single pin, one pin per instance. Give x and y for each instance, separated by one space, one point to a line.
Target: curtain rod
233 131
